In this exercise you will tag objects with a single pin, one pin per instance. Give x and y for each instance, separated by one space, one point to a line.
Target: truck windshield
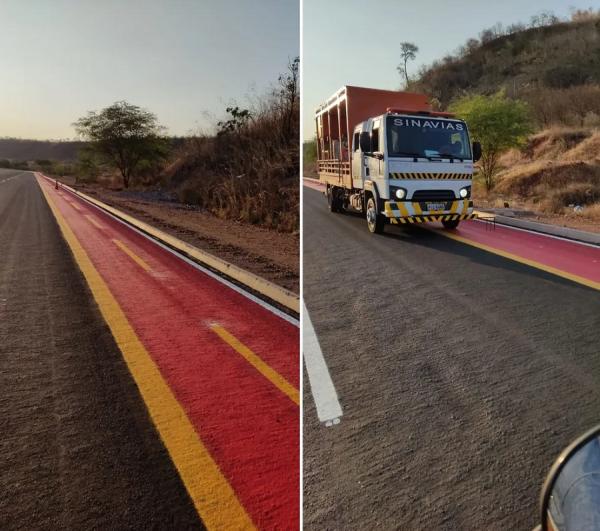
409 136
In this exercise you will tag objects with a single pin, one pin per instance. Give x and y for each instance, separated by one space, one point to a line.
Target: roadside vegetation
531 94
498 123
245 169
248 170
122 136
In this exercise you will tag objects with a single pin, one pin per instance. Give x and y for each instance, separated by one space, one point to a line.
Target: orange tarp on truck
363 103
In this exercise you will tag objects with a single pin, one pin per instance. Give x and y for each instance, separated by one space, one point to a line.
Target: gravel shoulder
269 254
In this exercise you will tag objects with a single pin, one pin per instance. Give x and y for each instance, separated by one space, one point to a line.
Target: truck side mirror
476 151
365 142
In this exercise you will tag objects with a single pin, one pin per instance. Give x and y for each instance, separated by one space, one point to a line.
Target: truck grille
433 195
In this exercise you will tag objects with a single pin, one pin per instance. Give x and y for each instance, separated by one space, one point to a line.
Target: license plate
436 206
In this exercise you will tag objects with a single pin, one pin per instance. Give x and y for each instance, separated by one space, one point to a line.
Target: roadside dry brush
249 170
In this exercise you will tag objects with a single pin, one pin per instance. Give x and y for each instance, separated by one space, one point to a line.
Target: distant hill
552 55
20 149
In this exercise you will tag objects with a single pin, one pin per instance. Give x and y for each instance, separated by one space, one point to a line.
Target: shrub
248 171
564 76
574 194
567 107
498 123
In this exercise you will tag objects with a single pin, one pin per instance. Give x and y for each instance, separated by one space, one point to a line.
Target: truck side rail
334 167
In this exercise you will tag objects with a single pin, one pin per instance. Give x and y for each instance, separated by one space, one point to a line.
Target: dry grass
588 149
242 178
558 169
592 212
250 171
553 142
553 185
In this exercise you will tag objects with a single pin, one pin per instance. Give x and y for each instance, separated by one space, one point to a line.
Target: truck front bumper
402 212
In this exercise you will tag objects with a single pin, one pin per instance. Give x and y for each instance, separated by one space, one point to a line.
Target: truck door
375 163
358 166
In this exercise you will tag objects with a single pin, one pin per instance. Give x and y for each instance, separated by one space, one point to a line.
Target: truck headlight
465 192
400 193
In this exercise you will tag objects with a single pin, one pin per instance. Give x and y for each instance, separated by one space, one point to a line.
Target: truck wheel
332 200
450 224
375 221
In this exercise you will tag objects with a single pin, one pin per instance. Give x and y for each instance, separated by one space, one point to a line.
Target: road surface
461 374
138 391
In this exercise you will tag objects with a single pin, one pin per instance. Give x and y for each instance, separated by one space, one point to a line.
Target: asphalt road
461 375
77 448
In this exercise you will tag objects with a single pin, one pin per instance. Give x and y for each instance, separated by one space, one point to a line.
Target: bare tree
408 52
289 93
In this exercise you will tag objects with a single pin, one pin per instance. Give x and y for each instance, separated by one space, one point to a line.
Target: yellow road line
213 497
532 263
132 255
269 373
93 221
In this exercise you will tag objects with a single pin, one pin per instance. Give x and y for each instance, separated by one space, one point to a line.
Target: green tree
87 166
309 151
125 136
496 121
408 52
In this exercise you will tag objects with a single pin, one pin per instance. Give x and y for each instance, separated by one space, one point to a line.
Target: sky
184 60
352 42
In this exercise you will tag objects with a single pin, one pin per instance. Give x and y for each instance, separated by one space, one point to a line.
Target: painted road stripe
132 255
326 400
532 263
193 263
267 371
213 497
93 221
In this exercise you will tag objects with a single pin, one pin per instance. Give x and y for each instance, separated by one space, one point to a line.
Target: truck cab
419 166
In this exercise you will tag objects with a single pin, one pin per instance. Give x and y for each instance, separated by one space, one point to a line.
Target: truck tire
375 221
450 224
333 200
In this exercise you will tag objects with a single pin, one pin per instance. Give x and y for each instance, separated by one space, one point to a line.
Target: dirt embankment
554 179
267 253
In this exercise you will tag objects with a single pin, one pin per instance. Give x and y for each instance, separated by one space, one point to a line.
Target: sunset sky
354 42
183 60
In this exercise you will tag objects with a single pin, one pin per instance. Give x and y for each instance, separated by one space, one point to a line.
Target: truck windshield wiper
409 154
449 156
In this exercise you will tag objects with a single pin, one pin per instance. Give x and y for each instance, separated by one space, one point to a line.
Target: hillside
22 149
554 66
528 62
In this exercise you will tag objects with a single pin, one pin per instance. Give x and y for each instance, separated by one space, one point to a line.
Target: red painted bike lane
569 257
249 425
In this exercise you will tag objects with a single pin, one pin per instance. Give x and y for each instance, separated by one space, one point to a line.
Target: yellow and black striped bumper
411 212
430 175
426 218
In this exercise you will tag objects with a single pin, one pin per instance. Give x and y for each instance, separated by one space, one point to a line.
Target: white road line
329 410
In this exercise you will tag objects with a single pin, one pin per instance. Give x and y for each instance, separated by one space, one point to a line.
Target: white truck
389 155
